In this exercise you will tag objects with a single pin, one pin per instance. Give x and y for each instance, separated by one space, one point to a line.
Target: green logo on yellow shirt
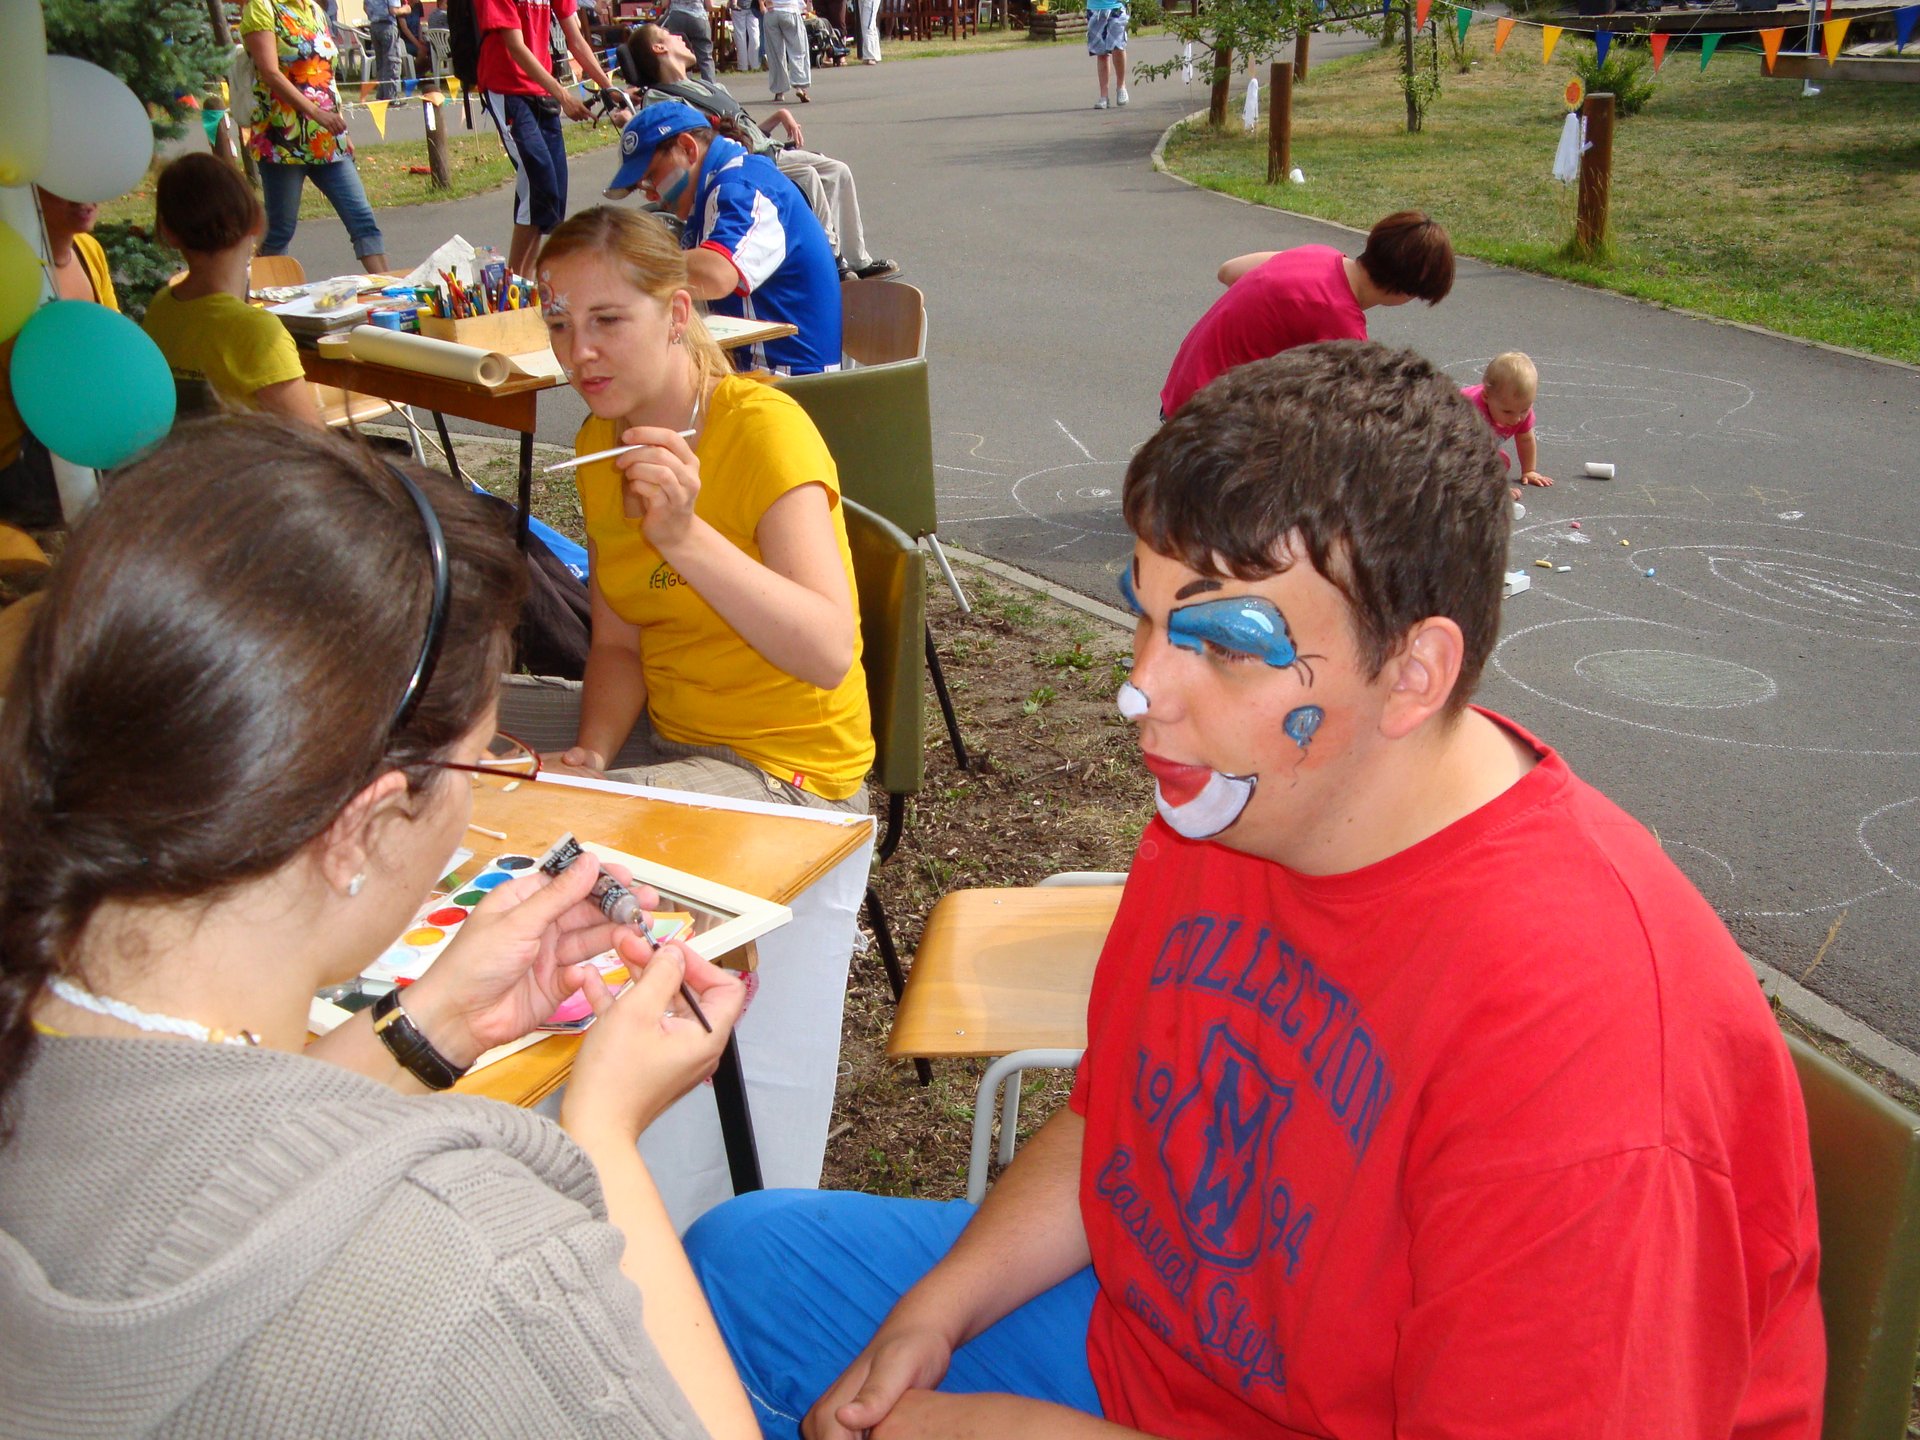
664 577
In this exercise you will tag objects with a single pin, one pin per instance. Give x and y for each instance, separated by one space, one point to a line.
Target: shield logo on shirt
1217 1151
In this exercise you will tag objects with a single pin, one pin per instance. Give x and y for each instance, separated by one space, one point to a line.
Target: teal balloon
91 385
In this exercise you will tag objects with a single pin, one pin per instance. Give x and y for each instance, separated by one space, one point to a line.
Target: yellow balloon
19 282
23 92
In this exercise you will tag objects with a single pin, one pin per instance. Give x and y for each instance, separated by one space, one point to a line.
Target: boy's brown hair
1409 253
205 204
1372 457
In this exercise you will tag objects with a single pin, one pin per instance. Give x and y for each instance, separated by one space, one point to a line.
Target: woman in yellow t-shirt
202 323
724 622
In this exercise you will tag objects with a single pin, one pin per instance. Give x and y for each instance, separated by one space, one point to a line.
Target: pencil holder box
507 332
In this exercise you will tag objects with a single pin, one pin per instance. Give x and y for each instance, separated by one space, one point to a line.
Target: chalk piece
1649 574
1573 524
1544 564
1600 469
1623 542
1563 569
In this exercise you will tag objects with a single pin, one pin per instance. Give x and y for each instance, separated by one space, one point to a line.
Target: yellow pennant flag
378 110
1833 35
1501 30
1770 42
453 86
1549 37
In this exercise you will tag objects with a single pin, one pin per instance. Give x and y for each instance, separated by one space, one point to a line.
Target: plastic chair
892 583
1006 973
1866 1172
882 321
877 421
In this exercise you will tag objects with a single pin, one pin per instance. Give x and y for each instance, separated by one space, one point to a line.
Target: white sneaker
1121 98
1101 103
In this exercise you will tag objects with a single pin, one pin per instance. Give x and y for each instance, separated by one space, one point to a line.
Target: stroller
825 45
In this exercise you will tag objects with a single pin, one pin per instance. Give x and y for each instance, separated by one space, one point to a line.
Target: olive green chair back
878 424
892 580
1866 1173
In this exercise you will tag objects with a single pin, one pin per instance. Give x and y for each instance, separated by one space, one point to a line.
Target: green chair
892 582
1866 1173
878 423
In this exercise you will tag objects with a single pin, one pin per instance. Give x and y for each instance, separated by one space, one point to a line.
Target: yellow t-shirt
93 260
705 685
224 341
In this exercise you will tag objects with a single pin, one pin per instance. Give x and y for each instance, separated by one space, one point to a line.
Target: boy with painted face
1367 1142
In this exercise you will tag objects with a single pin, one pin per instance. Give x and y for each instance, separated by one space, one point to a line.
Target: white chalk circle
1891 838
1672 677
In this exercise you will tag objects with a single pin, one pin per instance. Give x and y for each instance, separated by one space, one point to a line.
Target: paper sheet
425 355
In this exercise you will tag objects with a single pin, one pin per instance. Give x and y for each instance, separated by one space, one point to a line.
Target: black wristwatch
412 1049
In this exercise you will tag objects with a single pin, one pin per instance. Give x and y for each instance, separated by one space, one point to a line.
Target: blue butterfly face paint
1243 624
1301 723
1126 591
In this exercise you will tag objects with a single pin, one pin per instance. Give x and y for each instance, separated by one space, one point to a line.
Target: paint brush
607 454
614 901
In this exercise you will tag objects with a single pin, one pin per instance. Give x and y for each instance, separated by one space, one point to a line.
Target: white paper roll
427 356
1600 469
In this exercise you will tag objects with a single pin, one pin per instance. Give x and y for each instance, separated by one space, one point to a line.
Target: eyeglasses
508 761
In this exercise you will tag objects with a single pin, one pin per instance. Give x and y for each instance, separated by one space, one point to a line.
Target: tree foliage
1247 30
163 50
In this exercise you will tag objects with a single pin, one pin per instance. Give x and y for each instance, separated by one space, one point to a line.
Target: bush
1627 75
139 263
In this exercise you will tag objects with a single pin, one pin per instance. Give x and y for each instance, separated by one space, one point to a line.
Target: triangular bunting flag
1501 30
407 87
1549 37
210 122
1770 42
1708 44
1602 42
453 86
378 110
1833 35
1386 9
1903 21
367 88
1659 43
1421 9
1462 18
226 100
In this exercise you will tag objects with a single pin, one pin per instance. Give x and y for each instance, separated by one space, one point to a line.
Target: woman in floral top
299 128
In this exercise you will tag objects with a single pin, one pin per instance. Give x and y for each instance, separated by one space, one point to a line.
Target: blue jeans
386 57
800 1279
529 127
339 181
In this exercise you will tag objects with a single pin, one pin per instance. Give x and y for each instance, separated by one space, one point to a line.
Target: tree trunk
1222 82
1406 70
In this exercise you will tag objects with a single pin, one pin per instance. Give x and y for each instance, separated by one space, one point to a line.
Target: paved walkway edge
1159 158
1793 997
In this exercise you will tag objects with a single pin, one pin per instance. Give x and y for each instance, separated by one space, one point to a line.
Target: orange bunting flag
1549 37
367 89
377 112
1501 30
1833 35
1770 42
1659 43
1421 8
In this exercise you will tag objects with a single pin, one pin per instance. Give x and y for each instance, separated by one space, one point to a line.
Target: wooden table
513 404
767 855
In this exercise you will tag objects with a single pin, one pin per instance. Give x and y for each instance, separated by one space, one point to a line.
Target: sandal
803 97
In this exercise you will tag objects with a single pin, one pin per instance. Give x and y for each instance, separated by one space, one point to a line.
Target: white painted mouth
1218 805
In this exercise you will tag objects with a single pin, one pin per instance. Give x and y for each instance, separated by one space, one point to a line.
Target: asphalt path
1739 673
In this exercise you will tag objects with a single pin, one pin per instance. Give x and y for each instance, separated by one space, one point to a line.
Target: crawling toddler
1505 397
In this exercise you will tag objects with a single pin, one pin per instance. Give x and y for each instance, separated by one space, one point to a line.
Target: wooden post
1300 56
1280 121
1596 175
1222 81
436 145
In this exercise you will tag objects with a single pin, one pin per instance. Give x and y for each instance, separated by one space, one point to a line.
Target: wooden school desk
774 856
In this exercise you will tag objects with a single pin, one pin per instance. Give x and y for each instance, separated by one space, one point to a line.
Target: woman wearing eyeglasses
234 757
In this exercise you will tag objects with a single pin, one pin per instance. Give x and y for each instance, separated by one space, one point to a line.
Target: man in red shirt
1277 299
525 101
1423 1096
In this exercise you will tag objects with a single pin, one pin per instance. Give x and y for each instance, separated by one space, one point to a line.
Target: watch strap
408 1046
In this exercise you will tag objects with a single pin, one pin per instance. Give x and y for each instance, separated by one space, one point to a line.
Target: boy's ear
1421 676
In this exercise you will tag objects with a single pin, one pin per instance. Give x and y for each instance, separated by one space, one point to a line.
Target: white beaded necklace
145 1019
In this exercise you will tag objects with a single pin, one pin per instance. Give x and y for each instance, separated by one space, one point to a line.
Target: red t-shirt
499 72
1296 298
1496 1137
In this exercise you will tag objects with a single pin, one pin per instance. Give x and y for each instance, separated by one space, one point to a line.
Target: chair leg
946 703
890 957
953 583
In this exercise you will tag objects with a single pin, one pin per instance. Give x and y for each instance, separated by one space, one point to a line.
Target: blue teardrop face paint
1301 723
1126 591
1244 624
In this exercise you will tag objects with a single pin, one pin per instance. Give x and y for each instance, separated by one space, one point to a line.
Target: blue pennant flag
1903 19
1602 42
407 87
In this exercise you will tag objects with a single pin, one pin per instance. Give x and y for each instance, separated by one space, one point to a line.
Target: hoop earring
353 885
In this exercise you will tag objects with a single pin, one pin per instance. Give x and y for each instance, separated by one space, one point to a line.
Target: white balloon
100 141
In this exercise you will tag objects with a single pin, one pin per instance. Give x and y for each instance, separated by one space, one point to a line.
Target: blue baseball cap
643 135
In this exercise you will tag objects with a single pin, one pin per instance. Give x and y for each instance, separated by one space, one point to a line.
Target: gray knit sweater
202 1240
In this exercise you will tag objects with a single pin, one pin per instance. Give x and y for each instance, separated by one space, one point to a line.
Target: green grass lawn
1732 195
